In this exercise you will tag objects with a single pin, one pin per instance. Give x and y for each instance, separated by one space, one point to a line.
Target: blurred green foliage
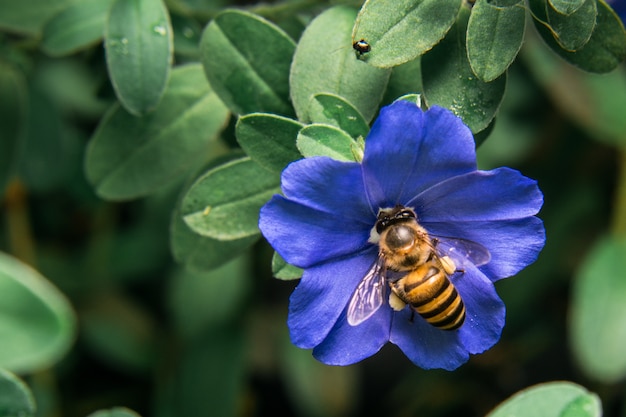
136 149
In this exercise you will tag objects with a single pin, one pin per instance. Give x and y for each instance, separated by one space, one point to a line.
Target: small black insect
362 47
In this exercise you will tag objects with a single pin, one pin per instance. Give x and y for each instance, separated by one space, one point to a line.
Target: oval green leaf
77 27
606 47
16 399
284 271
552 399
566 7
598 333
405 31
139 46
336 70
450 82
335 110
326 140
129 157
494 37
574 30
247 60
224 203
37 323
13 113
115 412
268 139
29 16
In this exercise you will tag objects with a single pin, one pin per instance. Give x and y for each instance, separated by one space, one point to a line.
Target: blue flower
620 8
425 161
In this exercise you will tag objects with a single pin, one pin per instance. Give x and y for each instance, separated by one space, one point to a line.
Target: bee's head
390 216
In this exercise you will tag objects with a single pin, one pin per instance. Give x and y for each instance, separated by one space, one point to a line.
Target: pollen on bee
396 302
448 265
374 236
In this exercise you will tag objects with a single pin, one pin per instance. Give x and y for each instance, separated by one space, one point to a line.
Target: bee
417 269
362 47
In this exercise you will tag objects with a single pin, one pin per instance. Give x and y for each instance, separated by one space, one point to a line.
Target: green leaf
200 253
130 157
224 203
13 112
119 332
450 82
139 46
268 139
247 59
37 324
598 334
187 35
405 79
115 412
566 7
201 300
77 27
604 51
16 399
405 31
494 37
325 62
594 101
573 31
282 270
29 16
335 110
551 399
326 140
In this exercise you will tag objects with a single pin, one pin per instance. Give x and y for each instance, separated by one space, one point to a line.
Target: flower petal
408 150
501 194
304 236
322 294
330 186
346 344
513 244
429 347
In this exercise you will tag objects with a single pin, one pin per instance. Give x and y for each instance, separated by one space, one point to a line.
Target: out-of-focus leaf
130 157
16 399
606 47
404 31
37 324
13 103
75 28
120 332
573 31
187 35
326 140
224 203
405 79
282 270
551 399
494 37
599 311
28 17
139 45
210 378
115 412
247 59
269 139
337 111
450 82
566 7
208 299
594 101
336 70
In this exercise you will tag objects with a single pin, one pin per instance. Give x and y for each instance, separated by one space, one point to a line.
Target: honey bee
417 269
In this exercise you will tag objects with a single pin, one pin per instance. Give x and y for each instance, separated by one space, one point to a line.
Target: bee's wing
368 296
462 251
